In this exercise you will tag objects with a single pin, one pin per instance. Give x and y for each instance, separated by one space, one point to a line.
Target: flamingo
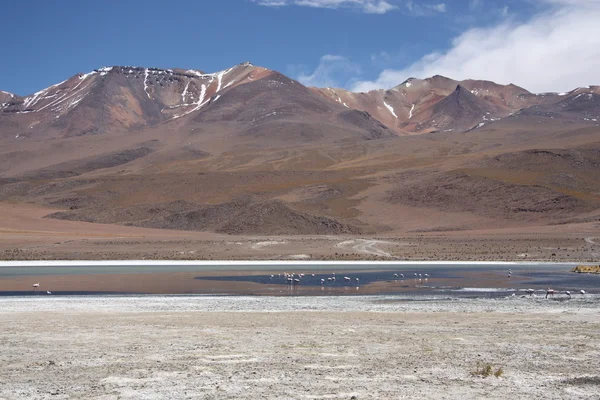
549 292
36 286
568 293
529 291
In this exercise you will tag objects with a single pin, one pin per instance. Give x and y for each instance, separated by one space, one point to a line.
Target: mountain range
249 150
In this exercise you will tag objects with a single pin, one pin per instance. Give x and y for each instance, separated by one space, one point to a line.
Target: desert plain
373 347
26 235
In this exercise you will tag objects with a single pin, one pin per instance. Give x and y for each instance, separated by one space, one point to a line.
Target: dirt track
366 246
278 349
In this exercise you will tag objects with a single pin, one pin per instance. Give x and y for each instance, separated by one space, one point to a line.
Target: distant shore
26 263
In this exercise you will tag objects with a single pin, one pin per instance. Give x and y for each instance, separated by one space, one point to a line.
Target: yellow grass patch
587 269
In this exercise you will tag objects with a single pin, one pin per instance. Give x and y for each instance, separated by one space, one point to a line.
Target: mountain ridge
120 140
128 97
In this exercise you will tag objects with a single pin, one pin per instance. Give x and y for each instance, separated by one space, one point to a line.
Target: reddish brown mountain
177 149
122 98
412 107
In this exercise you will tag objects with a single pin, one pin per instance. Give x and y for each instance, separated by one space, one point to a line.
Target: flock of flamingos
295 279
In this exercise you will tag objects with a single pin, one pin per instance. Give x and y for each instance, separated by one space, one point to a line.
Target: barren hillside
248 150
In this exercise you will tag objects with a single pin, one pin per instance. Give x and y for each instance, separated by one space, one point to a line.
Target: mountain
248 150
132 98
114 98
459 110
412 107
6 98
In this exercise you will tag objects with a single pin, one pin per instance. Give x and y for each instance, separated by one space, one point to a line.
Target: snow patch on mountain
66 96
220 78
201 98
337 97
146 82
185 90
32 100
390 108
104 70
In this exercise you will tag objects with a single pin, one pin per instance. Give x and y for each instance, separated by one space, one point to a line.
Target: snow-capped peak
10 94
104 70
408 83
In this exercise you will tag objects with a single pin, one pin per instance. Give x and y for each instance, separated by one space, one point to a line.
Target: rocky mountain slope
178 149
433 104
131 98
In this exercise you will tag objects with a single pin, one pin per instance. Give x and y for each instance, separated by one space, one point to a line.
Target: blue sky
355 44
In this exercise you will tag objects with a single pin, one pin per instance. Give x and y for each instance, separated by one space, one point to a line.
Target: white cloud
473 4
556 50
441 7
421 10
367 6
331 71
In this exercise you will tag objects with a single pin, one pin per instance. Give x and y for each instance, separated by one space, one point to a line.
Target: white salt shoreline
68 263
580 304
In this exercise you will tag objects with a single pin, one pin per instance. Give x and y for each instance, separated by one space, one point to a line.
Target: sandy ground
26 235
297 348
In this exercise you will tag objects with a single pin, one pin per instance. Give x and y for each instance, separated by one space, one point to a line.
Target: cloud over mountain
332 69
556 49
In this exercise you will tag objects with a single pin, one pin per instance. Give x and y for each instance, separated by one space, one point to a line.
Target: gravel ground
371 347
